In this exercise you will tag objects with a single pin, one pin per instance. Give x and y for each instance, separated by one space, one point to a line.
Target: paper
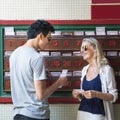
55 53
66 54
8 53
55 74
112 32
79 33
7 74
21 33
76 53
69 74
63 74
77 73
9 31
56 33
100 31
79 90
44 53
92 33
112 53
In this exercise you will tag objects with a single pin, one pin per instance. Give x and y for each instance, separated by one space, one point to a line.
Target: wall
44 9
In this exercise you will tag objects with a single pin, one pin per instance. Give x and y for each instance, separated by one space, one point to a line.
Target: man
27 74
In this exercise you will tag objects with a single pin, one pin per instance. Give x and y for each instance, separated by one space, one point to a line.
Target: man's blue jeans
22 117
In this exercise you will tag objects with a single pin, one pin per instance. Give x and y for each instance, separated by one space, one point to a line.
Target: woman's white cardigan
108 86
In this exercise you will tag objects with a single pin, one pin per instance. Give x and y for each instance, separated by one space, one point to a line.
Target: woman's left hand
90 94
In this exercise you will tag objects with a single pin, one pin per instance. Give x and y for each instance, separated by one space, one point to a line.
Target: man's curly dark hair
39 26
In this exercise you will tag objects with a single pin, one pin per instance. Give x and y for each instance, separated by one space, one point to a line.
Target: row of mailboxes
57 63
72 84
63 43
71 63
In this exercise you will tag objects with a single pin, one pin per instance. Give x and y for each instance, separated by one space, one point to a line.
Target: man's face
44 41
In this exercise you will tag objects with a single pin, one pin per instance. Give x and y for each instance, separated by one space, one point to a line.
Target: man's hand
63 81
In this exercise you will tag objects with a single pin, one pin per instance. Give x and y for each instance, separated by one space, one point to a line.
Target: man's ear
39 36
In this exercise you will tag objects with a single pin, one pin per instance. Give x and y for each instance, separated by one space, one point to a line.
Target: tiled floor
58 111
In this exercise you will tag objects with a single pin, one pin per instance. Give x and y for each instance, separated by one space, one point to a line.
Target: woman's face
87 51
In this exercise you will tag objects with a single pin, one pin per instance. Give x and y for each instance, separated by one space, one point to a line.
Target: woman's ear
95 53
95 50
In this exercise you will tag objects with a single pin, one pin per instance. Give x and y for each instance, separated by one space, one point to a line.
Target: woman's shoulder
106 69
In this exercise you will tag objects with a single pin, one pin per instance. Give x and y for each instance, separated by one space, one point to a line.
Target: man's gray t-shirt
26 66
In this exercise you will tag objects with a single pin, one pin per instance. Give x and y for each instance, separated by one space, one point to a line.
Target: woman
98 87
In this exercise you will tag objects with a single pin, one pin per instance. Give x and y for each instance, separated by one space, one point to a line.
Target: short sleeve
38 65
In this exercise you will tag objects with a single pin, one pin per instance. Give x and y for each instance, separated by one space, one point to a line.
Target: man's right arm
42 91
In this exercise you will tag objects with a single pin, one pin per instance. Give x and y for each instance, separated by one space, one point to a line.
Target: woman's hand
90 94
77 94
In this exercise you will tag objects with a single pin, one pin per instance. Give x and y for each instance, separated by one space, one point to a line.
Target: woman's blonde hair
101 60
